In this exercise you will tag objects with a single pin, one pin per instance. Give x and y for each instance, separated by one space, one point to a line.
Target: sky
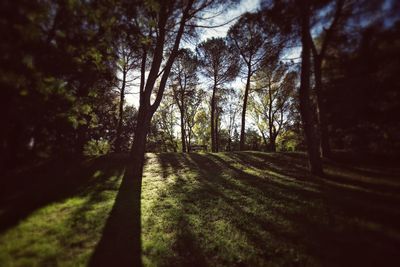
231 13
243 7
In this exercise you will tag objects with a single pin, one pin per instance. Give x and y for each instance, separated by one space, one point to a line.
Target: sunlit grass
221 209
257 209
63 233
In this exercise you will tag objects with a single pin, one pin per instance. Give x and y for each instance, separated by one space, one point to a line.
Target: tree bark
318 59
243 126
139 142
321 113
306 113
212 131
183 135
271 121
264 139
189 143
217 131
146 111
272 143
117 144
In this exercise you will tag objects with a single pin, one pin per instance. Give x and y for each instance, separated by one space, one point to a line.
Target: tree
336 15
161 136
270 105
219 65
127 61
253 41
293 18
163 24
231 110
304 91
195 102
183 84
367 72
319 56
49 106
201 127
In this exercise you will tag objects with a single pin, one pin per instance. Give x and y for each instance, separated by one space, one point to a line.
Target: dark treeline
68 67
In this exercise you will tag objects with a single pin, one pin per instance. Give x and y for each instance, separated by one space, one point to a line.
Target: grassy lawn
202 209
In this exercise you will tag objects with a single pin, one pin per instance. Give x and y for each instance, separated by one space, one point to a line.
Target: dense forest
82 79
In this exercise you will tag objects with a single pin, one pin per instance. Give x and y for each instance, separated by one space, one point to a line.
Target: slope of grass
204 209
54 215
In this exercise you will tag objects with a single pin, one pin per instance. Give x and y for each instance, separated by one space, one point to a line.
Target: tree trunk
272 136
139 143
189 144
217 131
243 126
318 58
213 137
304 93
183 135
229 146
272 143
321 115
264 139
117 144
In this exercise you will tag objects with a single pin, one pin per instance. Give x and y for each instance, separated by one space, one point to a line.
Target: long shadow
283 164
120 244
349 194
186 246
336 239
209 183
24 192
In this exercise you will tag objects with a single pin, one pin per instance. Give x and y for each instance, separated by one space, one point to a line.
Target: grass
202 209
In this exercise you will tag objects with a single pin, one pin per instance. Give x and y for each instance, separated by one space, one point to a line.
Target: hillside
201 209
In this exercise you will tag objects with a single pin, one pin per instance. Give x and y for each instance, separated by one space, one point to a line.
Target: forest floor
202 209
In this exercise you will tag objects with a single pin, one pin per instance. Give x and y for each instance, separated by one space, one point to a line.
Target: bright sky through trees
230 16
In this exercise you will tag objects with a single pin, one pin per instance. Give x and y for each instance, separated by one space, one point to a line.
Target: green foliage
57 67
96 148
288 141
201 128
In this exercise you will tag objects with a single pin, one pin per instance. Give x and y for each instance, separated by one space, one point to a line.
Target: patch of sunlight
97 174
63 233
39 237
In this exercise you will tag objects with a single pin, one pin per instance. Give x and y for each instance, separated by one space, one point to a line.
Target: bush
96 148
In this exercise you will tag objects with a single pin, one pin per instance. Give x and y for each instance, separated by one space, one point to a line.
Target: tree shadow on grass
186 249
23 192
120 244
335 223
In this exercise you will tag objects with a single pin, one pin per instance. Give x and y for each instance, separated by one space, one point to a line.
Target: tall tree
231 110
253 41
272 99
220 65
201 128
183 84
293 17
306 112
162 25
193 106
319 56
127 62
163 126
